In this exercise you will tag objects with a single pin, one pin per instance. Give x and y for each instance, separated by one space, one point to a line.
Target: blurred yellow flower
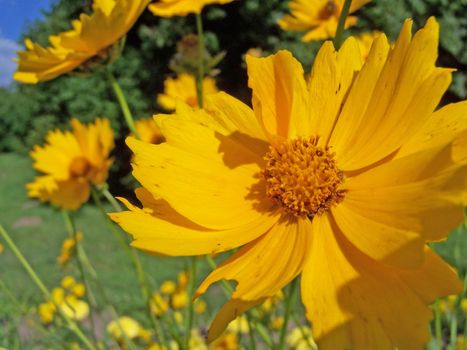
149 131
159 305
58 295
300 339
72 162
68 249
90 39
277 323
365 40
183 88
179 300
239 325
124 327
197 341
68 282
182 279
78 290
228 341
46 312
170 8
178 317
168 287
270 303
303 184
464 306
157 347
74 308
200 306
318 17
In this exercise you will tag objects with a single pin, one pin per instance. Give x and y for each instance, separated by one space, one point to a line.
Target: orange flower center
303 177
330 9
80 167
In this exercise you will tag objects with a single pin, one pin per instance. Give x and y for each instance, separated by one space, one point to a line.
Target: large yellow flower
318 18
341 179
72 162
170 8
183 88
91 36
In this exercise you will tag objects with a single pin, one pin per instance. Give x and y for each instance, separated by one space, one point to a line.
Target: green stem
288 308
113 202
190 313
201 54
69 223
71 324
134 257
438 325
123 103
339 38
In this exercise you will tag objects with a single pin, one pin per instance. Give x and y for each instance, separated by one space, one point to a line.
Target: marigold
72 162
318 17
183 88
149 131
342 179
90 39
170 8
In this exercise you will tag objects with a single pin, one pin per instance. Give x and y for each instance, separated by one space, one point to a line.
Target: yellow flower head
341 178
183 88
149 131
180 300
200 306
365 40
159 305
170 8
68 249
91 38
124 327
72 161
277 323
68 282
46 312
168 287
239 325
74 308
318 18
301 339
78 290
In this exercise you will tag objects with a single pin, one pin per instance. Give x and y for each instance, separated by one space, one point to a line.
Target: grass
39 230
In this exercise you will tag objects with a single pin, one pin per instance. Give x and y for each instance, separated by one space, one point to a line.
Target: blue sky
14 16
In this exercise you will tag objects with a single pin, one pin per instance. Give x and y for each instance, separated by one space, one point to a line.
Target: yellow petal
167 233
354 302
169 8
280 97
261 268
205 191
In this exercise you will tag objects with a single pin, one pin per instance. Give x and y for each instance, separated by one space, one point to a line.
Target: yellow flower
91 38
277 323
170 8
46 312
183 88
269 304
228 341
318 17
239 325
124 327
365 40
197 341
178 317
58 295
300 339
68 282
200 306
78 290
72 161
74 308
341 179
149 131
168 287
68 249
180 300
183 279
464 306
159 305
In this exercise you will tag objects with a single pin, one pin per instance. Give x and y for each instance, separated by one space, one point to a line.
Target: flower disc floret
303 177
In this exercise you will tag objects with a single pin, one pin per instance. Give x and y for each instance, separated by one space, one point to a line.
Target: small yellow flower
145 335
179 300
149 131
318 17
178 317
159 305
46 312
300 339
78 290
157 347
183 88
200 306
168 287
74 308
182 279
124 327
72 161
239 325
68 282
169 8
365 40
277 323
91 37
58 295
197 341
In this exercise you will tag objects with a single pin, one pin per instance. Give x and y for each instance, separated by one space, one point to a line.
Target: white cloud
8 50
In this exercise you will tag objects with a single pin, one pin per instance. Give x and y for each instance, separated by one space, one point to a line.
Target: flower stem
339 38
201 51
190 313
71 324
144 286
288 308
70 225
123 103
